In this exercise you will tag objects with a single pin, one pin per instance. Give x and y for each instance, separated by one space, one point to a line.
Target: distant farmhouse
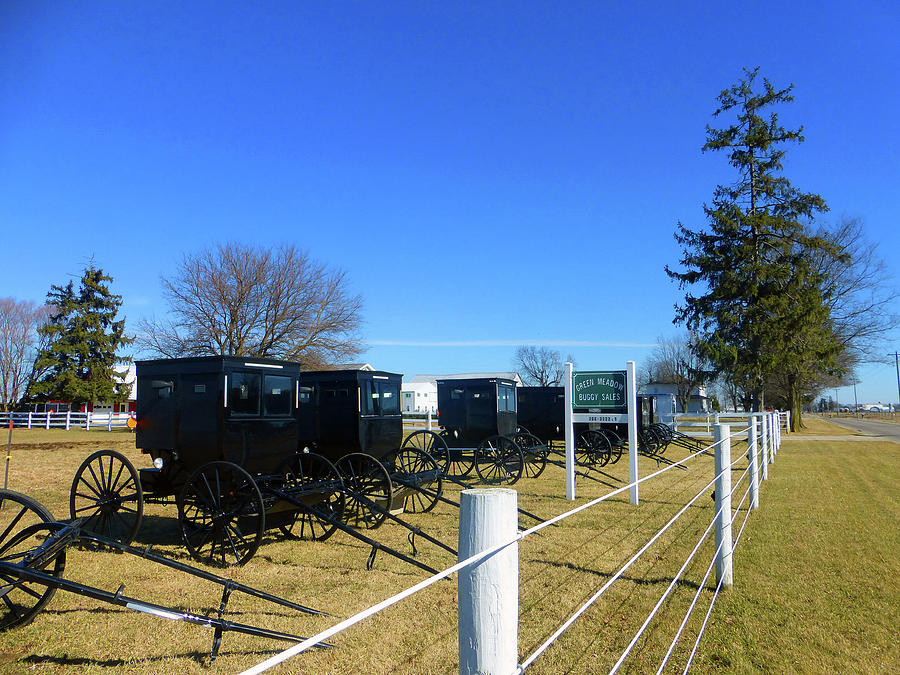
699 401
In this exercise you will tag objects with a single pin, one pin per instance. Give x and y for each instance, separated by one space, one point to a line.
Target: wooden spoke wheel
311 479
499 461
587 448
107 495
615 445
221 514
535 452
434 445
417 475
368 490
24 525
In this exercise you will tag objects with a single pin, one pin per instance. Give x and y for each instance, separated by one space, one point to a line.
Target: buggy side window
277 395
368 402
457 394
390 398
304 395
506 398
243 394
163 388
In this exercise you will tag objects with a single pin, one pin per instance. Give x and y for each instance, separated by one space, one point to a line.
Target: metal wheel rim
222 514
364 475
22 600
106 493
408 462
304 472
499 461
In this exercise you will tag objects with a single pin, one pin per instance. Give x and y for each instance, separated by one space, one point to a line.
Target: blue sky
488 174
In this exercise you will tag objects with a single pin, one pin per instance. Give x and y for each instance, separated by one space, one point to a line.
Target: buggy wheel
535 452
433 444
368 490
499 461
313 480
24 525
587 448
106 493
615 445
417 475
221 514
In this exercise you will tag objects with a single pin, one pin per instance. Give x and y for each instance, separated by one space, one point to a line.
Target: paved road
882 431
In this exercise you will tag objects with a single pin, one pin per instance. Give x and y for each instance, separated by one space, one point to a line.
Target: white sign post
570 437
631 395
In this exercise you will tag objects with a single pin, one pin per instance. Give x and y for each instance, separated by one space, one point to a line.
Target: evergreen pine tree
750 260
84 338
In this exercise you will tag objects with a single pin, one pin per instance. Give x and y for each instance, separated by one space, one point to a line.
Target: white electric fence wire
700 587
713 601
365 614
668 590
581 610
674 581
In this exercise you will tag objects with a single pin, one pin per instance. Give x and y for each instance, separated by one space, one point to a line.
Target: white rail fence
693 422
65 420
488 578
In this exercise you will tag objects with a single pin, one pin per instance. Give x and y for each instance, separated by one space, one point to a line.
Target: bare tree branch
250 301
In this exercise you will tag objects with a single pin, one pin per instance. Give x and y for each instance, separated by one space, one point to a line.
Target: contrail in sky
506 343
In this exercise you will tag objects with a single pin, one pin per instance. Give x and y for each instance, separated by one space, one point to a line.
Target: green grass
815 590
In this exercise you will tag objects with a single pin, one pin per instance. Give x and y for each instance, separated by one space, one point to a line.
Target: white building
419 394
699 402
418 397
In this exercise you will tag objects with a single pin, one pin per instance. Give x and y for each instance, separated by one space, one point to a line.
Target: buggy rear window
277 395
243 393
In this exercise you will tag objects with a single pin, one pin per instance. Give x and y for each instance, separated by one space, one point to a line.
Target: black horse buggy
479 427
231 440
542 411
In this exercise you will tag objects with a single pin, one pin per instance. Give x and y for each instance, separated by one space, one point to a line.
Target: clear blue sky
489 174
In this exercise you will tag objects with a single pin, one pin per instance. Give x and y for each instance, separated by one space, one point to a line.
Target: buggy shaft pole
412 528
145 553
29 574
353 533
463 484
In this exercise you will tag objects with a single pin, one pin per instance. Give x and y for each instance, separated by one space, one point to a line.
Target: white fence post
488 590
87 420
429 419
764 457
773 447
29 420
47 426
724 571
68 419
751 454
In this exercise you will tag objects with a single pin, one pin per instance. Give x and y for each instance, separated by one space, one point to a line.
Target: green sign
599 390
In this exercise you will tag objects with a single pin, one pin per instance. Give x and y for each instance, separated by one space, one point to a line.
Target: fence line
474 559
566 624
65 420
384 604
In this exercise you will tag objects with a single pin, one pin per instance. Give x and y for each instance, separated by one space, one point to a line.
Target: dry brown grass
560 568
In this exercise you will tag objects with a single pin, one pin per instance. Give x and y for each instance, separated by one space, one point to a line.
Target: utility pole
855 400
897 366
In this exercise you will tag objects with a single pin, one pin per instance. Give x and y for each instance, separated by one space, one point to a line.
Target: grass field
816 577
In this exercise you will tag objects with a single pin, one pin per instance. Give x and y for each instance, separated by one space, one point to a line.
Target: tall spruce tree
83 341
749 260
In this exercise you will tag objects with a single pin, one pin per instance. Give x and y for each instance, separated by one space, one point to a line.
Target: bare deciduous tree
674 361
540 366
251 301
858 290
19 340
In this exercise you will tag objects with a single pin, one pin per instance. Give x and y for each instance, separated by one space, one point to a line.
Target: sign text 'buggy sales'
599 390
